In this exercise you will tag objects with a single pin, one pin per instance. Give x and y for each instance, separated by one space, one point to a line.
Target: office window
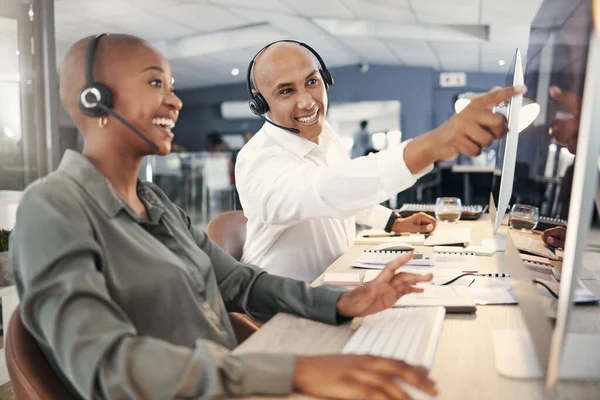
26 117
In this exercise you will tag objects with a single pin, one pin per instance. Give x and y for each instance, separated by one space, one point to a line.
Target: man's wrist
421 152
398 228
394 216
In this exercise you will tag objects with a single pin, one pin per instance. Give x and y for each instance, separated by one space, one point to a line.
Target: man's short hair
363 123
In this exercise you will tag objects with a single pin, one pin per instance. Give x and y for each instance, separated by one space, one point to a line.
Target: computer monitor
565 52
506 158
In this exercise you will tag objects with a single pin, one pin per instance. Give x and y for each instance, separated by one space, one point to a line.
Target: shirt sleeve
376 217
281 189
247 288
88 338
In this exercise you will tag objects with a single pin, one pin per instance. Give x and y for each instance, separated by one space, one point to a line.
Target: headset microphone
95 99
153 145
293 130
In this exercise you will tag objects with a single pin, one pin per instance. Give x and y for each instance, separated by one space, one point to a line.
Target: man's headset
259 106
95 98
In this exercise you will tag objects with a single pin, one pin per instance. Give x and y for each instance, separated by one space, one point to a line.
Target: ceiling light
18 52
235 71
501 62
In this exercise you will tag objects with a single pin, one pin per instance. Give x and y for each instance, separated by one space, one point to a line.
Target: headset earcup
327 78
260 104
92 95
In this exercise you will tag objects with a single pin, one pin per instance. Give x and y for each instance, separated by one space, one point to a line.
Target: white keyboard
408 334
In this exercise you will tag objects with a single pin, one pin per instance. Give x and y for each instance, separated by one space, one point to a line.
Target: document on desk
438 261
453 298
439 276
378 236
492 291
463 262
444 236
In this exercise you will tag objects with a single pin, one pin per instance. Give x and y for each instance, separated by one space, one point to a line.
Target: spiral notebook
377 259
378 236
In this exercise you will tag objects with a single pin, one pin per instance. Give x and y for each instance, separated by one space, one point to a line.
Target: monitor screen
555 76
504 171
559 78
497 176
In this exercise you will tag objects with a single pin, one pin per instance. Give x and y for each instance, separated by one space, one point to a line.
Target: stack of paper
377 259
444 236
441 261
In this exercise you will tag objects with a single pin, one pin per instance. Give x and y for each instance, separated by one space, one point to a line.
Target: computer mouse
396 247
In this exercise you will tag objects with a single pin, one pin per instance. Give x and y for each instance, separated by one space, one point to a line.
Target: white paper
491 296
491 290
456 261
439 276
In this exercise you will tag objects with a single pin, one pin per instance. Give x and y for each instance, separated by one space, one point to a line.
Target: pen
384 235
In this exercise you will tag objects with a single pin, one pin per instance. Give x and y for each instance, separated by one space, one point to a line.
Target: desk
464 362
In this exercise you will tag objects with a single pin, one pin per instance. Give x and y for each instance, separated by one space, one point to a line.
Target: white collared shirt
301 199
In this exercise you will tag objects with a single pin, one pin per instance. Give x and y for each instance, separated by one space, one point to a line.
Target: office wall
424 105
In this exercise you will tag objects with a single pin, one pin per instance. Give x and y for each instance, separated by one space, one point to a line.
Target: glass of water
524 217
448 209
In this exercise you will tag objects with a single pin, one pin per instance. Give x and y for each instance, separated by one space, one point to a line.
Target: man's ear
254 91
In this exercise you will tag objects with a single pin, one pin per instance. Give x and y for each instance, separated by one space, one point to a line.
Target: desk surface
464 362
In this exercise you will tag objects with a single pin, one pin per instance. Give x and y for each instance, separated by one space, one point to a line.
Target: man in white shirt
301 192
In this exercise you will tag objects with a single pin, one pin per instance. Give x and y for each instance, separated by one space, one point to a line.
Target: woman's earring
102 121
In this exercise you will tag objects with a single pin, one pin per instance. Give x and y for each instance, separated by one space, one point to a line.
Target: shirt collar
295 144
84 173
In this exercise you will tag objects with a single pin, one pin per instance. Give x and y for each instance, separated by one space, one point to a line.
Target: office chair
228 231
31 375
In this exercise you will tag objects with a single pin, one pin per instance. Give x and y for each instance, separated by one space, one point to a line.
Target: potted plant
5 269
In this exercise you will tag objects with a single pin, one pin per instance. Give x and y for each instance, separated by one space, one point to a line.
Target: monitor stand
516 358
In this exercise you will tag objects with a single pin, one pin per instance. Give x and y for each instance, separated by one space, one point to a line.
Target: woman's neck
121 170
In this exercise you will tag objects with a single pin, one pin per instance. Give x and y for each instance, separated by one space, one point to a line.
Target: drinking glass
448 209
524 217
